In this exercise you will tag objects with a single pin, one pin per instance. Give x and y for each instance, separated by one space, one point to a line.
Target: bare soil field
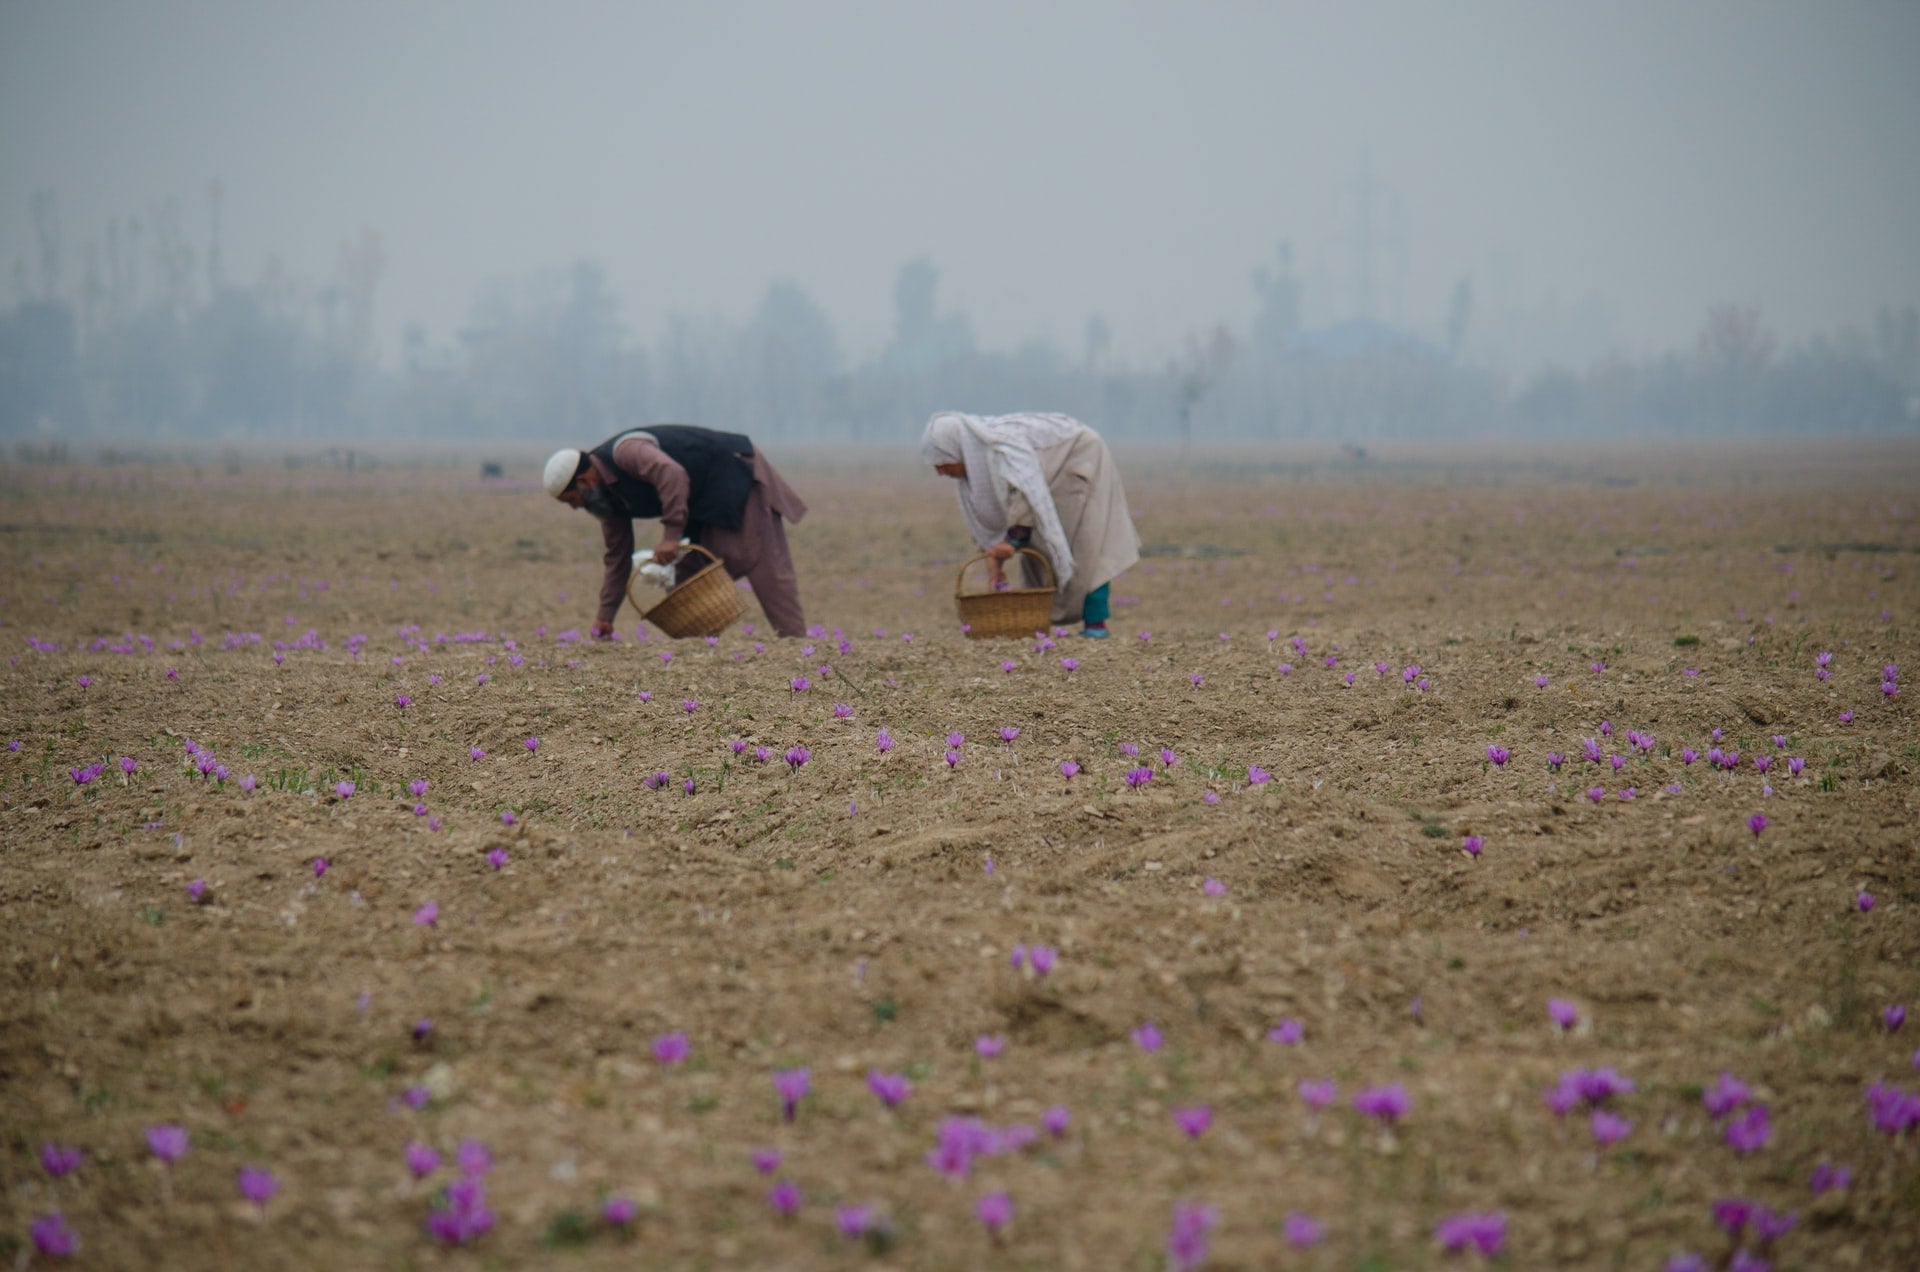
1323 877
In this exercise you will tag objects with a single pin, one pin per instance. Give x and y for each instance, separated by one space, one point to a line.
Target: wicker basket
704 605
1017 612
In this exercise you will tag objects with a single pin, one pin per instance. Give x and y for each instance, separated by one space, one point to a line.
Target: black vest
719 474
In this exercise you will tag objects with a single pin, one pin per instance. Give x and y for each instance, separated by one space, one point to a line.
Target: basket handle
634 577
960 578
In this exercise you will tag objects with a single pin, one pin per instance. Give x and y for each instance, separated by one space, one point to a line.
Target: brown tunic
757 551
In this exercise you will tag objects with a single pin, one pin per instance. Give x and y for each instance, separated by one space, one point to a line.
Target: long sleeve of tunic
640 458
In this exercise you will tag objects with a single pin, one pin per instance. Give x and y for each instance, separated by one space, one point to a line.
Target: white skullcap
561 466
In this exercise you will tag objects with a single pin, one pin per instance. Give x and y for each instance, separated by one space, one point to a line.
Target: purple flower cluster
959 1141
1592 1087
1485 1232
1893 1110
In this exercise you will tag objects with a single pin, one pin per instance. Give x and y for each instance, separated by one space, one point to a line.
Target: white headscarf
1000 454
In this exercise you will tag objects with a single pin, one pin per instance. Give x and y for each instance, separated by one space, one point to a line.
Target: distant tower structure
216 193
1379 239
1364 193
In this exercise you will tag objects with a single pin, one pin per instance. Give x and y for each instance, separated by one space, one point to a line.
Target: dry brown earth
843 916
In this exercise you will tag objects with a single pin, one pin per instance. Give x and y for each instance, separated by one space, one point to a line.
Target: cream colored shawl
999 452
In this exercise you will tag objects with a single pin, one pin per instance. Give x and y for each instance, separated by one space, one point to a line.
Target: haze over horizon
1601 175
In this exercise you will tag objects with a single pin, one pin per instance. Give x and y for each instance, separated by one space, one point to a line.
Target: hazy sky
1055 159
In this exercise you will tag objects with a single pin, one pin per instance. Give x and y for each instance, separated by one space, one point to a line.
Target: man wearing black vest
714 488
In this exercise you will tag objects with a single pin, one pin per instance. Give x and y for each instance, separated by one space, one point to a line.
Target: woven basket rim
960 577
682 597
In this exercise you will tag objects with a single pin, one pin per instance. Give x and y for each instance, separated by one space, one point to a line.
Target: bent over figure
1046 481
712 487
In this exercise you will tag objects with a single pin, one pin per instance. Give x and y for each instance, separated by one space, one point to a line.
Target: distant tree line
153 342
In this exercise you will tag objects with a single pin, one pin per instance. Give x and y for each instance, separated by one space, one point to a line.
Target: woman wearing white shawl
1045 480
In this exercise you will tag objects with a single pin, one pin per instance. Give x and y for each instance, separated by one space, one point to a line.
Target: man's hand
602 629
665 550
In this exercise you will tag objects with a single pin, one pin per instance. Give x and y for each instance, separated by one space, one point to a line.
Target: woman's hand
665 550
997 553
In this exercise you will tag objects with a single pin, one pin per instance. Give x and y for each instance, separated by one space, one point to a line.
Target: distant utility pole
1370 239
1363 195
215 193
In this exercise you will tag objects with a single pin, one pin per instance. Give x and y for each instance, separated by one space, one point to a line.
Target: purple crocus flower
257 1185
506 817
1498 755
427 915
1687 1261
1148 1037
1193 1122
421 1159
1071 665
497 858
989 1046
1608 1128
1771 1225
1056 1120
248 782
797 756
59 1160
1214 888
792 1086
1894 1017
884 741
52 1237
1303 1232
1484 1232
344 789
853 1222
995 1211
1288 1033
1138 777
1596 793
784 1198
1318 1093
1727 1094
128 764
765 1160
1472 844
672 1049
421 1028
1257 776
1563 1013
473 1159
619 1212
1750 1132
1387 1103
197 889
1828 1178
477 754
1731 1215
1187 1245
1042 957
891 1088
168 1143
533 744
1757 823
